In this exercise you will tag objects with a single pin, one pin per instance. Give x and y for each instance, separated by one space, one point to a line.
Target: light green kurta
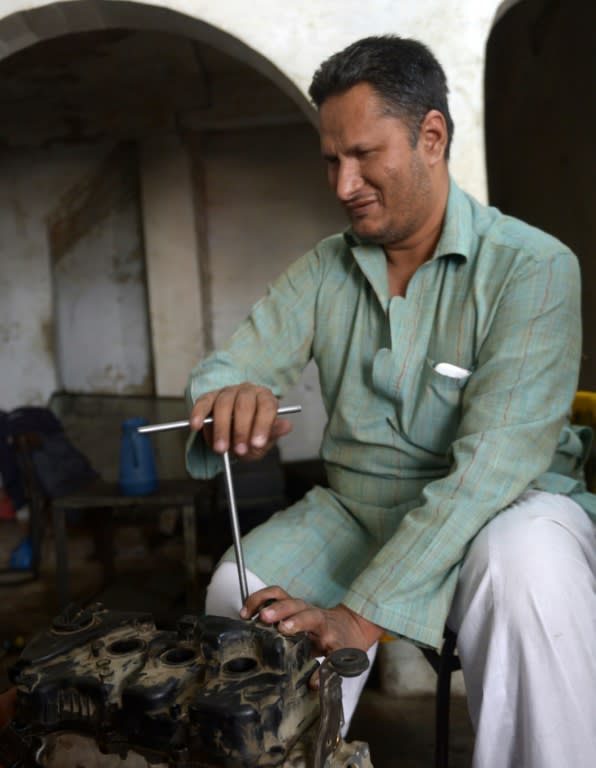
417 462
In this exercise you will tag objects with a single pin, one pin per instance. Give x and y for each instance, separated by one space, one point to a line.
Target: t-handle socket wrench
148 428
231 496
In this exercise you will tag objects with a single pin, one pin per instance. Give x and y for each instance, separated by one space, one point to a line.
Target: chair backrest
583 411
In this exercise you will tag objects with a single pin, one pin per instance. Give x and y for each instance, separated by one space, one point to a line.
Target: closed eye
361 152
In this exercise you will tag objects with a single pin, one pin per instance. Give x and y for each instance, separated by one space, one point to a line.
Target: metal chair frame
444 663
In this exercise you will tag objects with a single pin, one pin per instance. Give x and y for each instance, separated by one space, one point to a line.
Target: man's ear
433 136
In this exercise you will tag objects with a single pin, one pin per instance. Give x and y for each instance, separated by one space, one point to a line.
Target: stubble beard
411 212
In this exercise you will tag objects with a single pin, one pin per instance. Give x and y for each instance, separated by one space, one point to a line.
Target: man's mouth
357 209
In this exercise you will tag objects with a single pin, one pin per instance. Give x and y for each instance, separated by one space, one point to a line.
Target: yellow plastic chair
583 411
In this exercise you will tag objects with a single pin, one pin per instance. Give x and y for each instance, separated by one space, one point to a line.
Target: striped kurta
417 461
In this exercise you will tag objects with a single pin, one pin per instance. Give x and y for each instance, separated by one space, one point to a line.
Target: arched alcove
28 27
158 173
541 161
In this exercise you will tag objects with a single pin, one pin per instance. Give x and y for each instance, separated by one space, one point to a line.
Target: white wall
26 350
268 203
288 41
284 40
276 210
90 300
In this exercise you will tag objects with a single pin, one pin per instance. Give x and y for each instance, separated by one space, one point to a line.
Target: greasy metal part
189 527
332 717
73 750
235 524
109 689
186 423
214 692
356 754
346 662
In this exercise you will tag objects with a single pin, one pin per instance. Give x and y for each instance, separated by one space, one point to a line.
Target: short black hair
403 72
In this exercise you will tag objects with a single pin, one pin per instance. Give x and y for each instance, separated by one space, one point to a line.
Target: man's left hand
329 629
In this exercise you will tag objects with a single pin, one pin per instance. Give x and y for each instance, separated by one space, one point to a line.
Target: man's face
383 183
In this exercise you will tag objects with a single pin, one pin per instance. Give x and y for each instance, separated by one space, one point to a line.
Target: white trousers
525 615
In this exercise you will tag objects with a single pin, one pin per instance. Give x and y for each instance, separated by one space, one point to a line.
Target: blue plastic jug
21 557
138 476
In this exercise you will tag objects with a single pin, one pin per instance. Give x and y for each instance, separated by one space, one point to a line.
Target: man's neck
403 259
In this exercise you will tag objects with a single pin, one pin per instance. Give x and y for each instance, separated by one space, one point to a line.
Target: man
447 338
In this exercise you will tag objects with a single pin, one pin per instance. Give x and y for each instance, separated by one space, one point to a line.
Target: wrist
371 633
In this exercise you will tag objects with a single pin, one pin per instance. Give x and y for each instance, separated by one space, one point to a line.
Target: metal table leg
189 527
63 592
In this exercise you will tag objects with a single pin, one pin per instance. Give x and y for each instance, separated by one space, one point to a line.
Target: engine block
214 692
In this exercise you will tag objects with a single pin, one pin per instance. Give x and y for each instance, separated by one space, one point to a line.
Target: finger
245 409
280 427
308 618
223 410
265 416
256 600
282 611
202 408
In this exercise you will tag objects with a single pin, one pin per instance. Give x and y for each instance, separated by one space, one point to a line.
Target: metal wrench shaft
236 536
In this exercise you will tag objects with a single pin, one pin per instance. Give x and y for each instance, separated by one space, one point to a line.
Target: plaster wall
75 319
28 184
268 203
97 263
172 256
287 41
262 208
27 371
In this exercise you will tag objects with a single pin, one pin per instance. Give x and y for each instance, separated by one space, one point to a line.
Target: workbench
93 424
105 499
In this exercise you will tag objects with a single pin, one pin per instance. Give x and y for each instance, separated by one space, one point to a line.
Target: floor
149 577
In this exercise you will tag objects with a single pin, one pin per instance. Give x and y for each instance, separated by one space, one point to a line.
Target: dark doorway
540 113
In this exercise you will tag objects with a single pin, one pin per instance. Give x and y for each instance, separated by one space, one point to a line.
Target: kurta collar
454 242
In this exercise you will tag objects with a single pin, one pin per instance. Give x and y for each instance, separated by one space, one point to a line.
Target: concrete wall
285 42
72 291
230 205
267 204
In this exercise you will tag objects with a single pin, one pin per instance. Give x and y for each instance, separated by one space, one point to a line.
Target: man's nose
348 180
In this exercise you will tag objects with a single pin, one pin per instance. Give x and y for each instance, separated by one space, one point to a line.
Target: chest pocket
431 419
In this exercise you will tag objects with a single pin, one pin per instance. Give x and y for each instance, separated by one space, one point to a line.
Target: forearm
269 350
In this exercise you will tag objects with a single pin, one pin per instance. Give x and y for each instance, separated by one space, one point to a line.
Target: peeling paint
9 332
110 380
91 200
127 267
47 332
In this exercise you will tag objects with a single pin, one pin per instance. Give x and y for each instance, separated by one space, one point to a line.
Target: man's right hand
244 420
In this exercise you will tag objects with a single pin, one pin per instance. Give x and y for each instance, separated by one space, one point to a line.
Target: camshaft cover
215 692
